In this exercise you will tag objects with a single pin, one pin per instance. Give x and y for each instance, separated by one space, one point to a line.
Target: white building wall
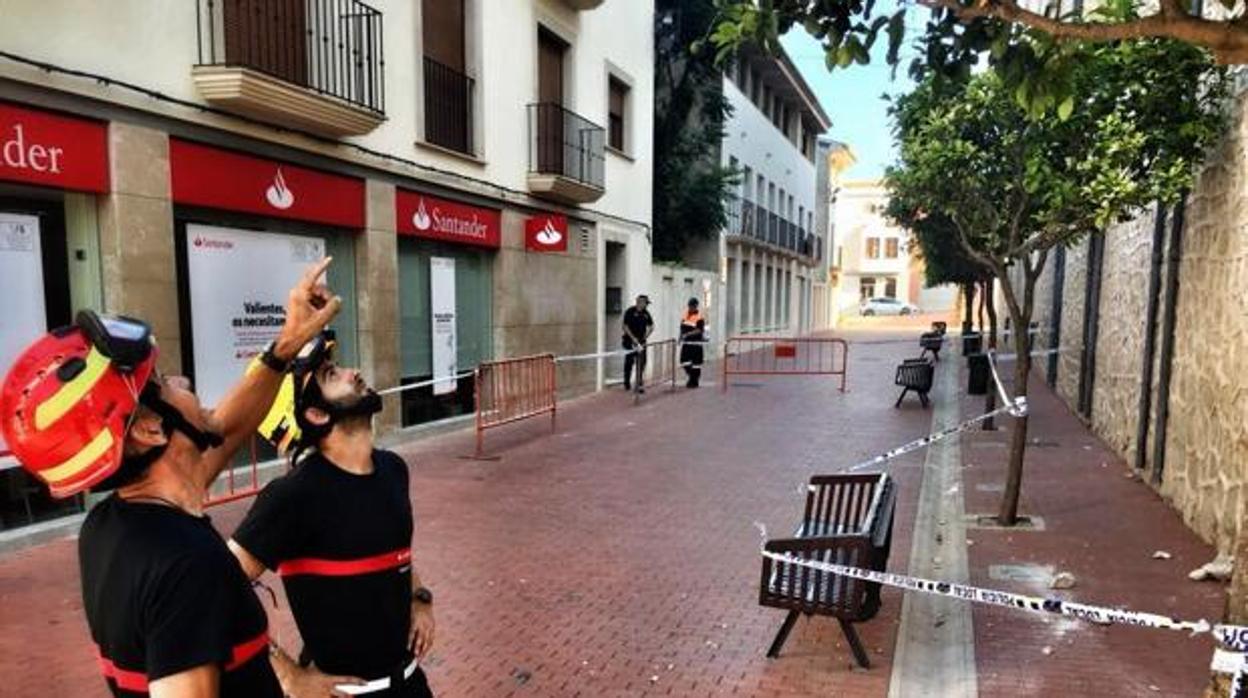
756 143
154 45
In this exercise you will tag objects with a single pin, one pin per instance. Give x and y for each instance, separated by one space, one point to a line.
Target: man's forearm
284 667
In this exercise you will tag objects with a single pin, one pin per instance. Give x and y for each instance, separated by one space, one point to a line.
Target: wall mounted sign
215 178
546 233
39 147
429 217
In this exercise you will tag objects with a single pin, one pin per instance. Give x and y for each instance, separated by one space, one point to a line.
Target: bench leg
783 635
901 397
855 644
923 399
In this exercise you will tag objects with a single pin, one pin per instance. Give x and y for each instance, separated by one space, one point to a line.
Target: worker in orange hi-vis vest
692 336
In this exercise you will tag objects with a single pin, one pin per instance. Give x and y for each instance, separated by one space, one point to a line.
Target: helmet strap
172 420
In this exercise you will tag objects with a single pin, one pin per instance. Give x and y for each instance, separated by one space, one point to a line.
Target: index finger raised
314 271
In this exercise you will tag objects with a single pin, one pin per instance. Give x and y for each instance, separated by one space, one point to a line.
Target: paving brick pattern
616 557
1104 528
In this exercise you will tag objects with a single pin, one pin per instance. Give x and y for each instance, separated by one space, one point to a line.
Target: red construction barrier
239 482
510 390
785 356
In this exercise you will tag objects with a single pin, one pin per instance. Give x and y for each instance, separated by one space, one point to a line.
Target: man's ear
146 430
316 415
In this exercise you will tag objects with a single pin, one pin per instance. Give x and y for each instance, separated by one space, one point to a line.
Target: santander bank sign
43 148
427 216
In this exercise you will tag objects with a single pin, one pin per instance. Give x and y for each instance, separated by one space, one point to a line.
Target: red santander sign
546 233
429 217
39 147
215 178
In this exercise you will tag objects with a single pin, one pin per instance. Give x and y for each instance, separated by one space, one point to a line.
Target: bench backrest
861 506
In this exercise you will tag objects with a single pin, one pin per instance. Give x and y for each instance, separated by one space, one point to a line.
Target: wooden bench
848 521
916 375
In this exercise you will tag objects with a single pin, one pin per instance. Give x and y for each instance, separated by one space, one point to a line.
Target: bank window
617 113
50 260
890 248
873 248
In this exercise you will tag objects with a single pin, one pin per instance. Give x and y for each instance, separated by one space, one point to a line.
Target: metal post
1167 340
1150 337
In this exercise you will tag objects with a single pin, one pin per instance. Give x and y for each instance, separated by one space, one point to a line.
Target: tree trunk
1008 516
968 291
983 294
990 400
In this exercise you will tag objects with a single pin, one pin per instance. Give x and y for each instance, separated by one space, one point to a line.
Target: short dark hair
643 297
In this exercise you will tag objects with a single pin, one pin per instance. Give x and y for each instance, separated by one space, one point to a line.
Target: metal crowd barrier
785 356
232 484
510 390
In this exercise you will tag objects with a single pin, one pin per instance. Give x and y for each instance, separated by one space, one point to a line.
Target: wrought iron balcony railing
448 107
566 144
331 47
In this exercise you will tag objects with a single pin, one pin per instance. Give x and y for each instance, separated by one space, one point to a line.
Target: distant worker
692 337
637 328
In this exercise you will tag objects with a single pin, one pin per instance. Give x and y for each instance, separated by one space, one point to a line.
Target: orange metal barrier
785 356
513 389
240 482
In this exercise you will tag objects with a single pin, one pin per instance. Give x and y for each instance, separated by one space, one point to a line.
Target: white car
886 306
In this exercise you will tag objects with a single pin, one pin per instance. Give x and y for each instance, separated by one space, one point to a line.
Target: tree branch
1227 40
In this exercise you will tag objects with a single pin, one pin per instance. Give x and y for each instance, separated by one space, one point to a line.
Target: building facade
833 159
180 162
772 252
873 254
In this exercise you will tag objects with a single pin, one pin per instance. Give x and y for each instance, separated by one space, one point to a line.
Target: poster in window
239 281
21 277
442 305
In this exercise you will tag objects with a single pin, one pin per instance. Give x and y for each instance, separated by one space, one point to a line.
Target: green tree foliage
691 188
1032 51
1013 186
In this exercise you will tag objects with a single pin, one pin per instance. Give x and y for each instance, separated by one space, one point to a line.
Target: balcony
314 65
566 155
448 107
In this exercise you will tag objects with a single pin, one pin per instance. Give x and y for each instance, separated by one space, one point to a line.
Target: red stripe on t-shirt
345 568
246 651
126 680
136 681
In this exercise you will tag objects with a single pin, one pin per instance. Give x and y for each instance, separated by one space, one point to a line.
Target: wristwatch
422 595
270 359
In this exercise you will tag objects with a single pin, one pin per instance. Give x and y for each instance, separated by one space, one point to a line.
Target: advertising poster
239 280
442 307
21 277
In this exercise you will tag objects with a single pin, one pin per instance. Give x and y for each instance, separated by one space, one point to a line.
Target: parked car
886 306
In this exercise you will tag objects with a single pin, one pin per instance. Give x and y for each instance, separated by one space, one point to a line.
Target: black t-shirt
637 322
342 545
163 594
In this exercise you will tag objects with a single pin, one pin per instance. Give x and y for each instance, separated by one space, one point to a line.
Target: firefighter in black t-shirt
168 607
637 327
337 529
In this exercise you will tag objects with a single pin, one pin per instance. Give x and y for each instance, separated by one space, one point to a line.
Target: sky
851 97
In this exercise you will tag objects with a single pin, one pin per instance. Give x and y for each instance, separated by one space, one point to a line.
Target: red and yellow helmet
66 402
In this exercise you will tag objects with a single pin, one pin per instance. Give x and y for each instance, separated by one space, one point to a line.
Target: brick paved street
618 557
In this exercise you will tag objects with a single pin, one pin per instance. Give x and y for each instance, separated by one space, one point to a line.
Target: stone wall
1207 445
1122 318
1206 450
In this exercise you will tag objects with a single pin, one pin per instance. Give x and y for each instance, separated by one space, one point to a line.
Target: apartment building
480 172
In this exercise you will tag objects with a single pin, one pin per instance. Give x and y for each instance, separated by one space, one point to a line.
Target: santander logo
209 243
278 194
548 235
421 218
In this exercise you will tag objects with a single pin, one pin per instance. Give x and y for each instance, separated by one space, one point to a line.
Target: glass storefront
49 269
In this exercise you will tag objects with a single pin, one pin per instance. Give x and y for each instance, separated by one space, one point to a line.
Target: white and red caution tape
1232 639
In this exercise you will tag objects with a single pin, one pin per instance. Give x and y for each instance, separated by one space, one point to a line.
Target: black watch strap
268 358
422 595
